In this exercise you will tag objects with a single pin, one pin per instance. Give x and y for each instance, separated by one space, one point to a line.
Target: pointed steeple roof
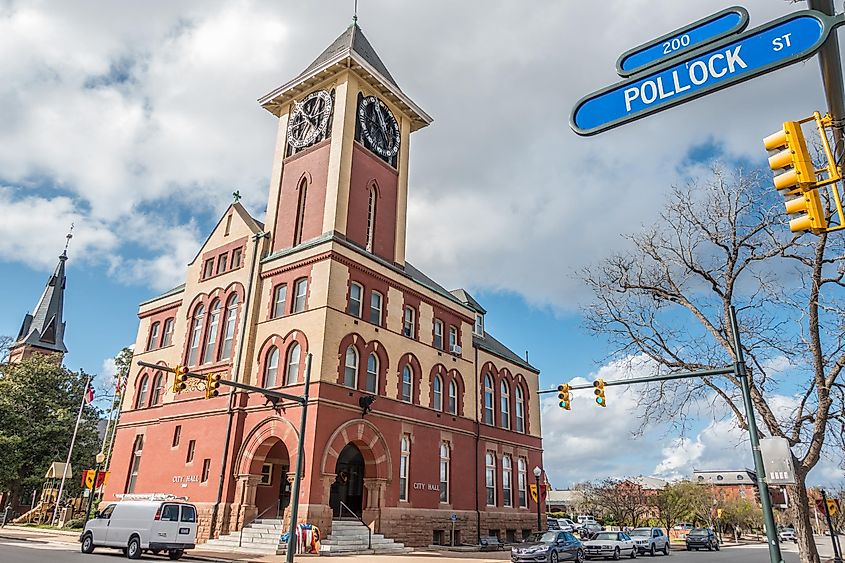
45 327
350 50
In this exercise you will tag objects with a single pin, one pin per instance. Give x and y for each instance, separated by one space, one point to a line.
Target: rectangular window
408 324
177 434
521 479
266 474
438 334
169 513
236 258
222 262
135 464
280 295
479 324
189 514
490 478
445 451
206 469
375 308
152 343
506 481
192 446
301 290
356 294
404 458
453 338
167 338
208 268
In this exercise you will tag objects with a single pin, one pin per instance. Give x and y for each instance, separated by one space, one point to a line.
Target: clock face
309 119
378 127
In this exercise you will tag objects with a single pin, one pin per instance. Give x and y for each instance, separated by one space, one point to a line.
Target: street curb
43 530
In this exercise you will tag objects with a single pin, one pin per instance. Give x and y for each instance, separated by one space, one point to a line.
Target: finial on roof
236 195
355 13
68 236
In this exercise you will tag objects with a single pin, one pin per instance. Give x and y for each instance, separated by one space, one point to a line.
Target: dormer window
478 329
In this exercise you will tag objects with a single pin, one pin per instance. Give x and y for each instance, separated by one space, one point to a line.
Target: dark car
548 547
588 531
702 538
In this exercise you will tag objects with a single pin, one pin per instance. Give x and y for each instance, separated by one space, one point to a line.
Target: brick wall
415 527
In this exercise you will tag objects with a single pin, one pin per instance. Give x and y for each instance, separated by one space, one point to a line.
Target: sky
135 122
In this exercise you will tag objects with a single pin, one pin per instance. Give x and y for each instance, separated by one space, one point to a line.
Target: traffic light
563 395
599 391
790 159
212 385
810 213
179 380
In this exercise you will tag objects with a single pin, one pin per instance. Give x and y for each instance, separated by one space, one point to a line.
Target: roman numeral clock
310 120
378 128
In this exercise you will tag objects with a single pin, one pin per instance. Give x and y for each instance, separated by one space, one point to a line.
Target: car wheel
175 554
579 556
87 544
553 557
616 554
666 548
651 550
133 550
633 553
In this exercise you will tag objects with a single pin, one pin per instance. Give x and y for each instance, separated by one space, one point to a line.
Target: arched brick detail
368 439
416 372
261 359
261 439
383 363
357 341
438 370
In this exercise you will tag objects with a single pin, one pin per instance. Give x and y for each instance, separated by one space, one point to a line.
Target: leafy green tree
39 402
741 514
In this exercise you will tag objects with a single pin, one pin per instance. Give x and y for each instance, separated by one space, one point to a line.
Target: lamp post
537 473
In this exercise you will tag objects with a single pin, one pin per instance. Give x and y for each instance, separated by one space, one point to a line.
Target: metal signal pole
830 63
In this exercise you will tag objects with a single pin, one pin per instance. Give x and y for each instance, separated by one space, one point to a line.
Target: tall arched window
196 335
488 399
350 369
372 374
292 371
271 367
371 217
300 212
229 327
211 331
143 388
437 393
167 337
453 397
507 483
444 471
520 408
490 478
158 389
152 343
505 404
407 384
521 482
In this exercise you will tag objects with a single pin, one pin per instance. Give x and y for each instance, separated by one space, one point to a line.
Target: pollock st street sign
680 41
734 59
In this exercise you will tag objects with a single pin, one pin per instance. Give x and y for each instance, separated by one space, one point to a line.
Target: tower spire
355 12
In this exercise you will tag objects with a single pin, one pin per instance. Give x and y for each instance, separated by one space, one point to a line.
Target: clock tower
340 167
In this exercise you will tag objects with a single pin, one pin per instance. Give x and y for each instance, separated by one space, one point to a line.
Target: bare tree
5 347
721 241
623 502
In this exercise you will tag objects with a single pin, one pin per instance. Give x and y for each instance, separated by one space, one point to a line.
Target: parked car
610 544
701 538
586 519
590 529
685 526
567 525
552 523
650 540
549 547
787 534
135 526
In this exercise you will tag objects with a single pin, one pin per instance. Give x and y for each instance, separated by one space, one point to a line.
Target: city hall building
455 425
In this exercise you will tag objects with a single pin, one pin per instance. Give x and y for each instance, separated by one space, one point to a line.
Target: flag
532 488
88 478
102 476
89 394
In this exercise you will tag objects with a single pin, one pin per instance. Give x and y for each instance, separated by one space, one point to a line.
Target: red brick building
455 428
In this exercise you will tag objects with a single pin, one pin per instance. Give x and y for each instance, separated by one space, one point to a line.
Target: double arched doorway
348 487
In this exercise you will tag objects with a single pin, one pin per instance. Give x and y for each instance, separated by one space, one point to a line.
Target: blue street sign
776 44
695 35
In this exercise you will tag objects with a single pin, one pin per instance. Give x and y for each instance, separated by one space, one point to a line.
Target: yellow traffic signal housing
811 213
599 391
180 378
790 159
212 385
563 396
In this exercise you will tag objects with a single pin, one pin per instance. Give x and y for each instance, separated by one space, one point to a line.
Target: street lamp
537 473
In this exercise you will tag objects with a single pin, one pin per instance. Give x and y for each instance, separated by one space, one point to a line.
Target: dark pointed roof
45 327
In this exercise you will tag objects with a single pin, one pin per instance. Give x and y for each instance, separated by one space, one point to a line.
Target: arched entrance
348 486
272 495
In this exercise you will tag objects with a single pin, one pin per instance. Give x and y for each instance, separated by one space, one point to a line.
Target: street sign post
730 61
692 36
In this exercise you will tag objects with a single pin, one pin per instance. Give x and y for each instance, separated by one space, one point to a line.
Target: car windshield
607 536
698 532
544 537
640 532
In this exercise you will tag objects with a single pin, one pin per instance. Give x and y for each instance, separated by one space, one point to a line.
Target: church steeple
43 330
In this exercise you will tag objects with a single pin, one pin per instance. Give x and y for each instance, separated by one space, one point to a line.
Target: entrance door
284 492
348 486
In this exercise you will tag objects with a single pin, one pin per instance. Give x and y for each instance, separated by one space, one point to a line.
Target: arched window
158 389
167 337
292 371
372 374
196 335
520 408
371 218
490 478
143 388
404 459
453 397
280 295
300 291
407 384
271 367
229 327
522 488
152 343
488 399
350 369
505 404
437 393
444 471
507 488
211 332
300 212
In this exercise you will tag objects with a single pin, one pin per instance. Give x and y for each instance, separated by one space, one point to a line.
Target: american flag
89 393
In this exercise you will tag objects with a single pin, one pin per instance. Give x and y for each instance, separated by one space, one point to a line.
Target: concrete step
244 549
274 521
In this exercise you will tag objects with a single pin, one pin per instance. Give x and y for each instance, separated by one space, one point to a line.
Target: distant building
729 484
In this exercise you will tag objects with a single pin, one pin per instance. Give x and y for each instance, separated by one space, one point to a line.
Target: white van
136 526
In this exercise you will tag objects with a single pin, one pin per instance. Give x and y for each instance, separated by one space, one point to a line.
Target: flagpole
70 450
122 384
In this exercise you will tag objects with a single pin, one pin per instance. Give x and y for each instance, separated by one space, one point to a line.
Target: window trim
410 371
272 354
522 482
191 453
142 391
445 476
409 326
208 268
157 395
437 335
195 342
359 300
374 374
452 401
404 464
505 405
274 306
152 340
212 331
167 335
301 282
507 471
490 477
350 371
437 393
519 408
230 320
489 408
295 346
374 293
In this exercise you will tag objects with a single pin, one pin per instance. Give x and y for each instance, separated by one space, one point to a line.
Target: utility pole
830 63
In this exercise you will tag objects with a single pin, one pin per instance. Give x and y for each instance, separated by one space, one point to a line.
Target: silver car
548 547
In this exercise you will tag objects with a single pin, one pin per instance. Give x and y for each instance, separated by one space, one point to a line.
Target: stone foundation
415 527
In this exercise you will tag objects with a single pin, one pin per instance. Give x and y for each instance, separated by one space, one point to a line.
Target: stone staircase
349 537
261 537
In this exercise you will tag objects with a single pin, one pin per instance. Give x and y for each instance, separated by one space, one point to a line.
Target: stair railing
369 531
263 512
